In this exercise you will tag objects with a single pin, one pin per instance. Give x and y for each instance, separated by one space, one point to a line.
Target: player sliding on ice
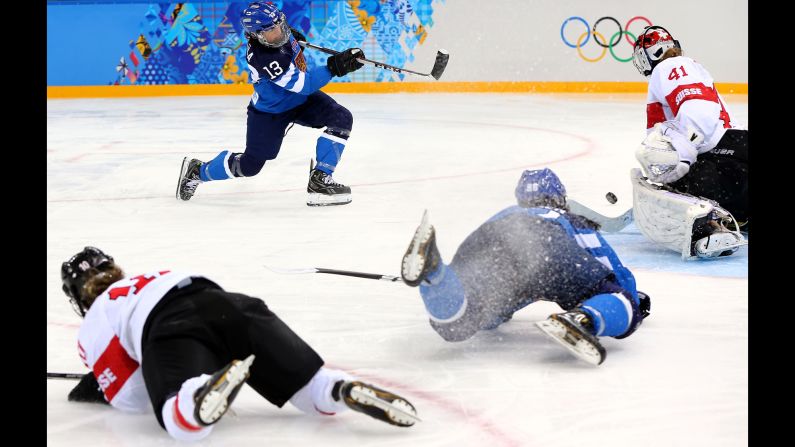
285 92
534 251
178 343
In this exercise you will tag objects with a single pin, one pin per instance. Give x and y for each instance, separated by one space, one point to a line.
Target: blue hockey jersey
280 76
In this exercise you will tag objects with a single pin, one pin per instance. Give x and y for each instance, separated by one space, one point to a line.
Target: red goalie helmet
650 48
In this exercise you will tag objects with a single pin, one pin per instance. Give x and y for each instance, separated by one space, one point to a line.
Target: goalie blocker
693 226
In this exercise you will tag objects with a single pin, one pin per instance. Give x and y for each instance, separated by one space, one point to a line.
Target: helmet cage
260 35
259 18
650 47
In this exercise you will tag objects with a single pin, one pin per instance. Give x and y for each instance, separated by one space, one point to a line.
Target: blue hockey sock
328 152
217 168
611 313
443 294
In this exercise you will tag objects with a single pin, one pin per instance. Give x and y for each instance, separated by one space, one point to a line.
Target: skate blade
705 253
182 173
413 262
216 402
316 199
398 411
581 349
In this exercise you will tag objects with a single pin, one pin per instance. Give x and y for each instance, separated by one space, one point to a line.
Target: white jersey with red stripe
109 341
681 89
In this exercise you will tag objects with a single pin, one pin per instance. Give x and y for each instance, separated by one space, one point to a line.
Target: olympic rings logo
606 44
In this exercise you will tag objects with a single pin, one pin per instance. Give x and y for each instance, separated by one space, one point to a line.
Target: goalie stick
376 276
608 224
442 56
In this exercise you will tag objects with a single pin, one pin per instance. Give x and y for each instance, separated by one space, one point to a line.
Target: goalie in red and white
692 196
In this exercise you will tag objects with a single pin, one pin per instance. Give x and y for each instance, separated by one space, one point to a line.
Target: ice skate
324 191
422 256
573 331
214 397
375 402
189 178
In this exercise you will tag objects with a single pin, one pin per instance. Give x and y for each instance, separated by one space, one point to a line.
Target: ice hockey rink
680 380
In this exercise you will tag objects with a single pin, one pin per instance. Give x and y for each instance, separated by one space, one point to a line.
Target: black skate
422 256
324 191
189 178
376 403
214 397
573 330
716 236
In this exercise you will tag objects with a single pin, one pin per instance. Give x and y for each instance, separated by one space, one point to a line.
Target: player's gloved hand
668 152
297 35
345 62
684 142
645 304
680 170
87 390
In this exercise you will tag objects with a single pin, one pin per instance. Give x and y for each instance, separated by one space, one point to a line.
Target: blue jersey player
534 251
285 92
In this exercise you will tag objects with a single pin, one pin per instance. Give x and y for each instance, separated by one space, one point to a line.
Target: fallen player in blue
534 251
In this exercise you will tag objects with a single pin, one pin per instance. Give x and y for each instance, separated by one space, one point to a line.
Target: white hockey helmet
650 48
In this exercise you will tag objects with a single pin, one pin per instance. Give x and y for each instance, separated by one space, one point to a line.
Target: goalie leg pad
671 220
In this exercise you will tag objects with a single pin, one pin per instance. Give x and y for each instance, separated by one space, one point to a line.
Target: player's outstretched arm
88 390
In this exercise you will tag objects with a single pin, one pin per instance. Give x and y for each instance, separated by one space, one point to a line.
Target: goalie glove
668 152
88 390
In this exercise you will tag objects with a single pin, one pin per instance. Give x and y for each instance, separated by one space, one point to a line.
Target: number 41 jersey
681 89
109 341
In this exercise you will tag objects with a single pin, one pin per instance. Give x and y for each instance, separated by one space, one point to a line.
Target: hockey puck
611 197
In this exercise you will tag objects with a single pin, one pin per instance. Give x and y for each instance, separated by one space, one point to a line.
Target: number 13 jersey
280 76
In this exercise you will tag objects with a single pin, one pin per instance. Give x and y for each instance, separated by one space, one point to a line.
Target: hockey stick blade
442 56
285 271
376 276
68 376
607 224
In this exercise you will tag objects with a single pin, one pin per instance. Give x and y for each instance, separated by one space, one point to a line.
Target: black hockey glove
645 304
345 62
87 390
297 35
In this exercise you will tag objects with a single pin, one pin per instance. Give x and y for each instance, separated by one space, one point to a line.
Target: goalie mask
540 188
650 48
266 23
76 272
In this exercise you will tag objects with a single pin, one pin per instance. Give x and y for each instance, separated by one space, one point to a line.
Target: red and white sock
178 412
315 397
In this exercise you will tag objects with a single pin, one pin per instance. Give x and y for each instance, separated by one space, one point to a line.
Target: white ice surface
680 380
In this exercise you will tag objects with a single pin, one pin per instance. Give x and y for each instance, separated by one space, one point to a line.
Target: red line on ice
590 146
454 408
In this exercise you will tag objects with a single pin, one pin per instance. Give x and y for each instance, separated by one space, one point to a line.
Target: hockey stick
442 56
376 276
64 375
608 224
